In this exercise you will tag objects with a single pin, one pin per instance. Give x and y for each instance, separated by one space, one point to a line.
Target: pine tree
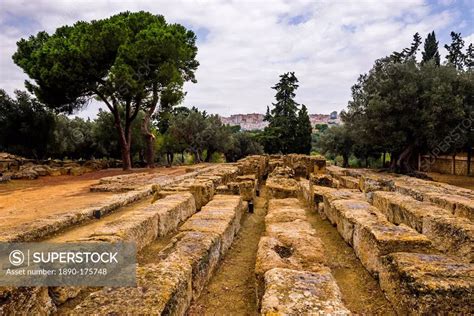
303 131
469 60
280 135
431 49
455 55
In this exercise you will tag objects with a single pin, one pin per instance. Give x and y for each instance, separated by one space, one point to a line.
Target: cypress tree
303 132
280 134
431 49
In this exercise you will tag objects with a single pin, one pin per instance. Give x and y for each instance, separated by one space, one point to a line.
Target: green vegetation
406 108
289 129
129 61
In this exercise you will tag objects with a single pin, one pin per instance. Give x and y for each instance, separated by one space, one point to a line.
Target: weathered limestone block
284 210
164 288
285 172
332 195
291 292
452 235
371 182
348 214
421 284
246 189
349 182
61 294
298 251
173 210
335 171
200 250
142 226
458 205
296 226
402 209
221 216
318 198
318 165
216 180
321 179
28 301
305 192
281 188
372 241
136 226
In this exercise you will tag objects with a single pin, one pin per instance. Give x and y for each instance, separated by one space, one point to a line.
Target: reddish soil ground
23 201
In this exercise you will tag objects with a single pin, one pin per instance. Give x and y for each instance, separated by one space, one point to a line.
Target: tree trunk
182 157
402 163
345 161
149 140
383 160
209 155
149 137
125 139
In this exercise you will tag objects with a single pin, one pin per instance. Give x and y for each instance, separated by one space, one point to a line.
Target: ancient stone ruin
414 237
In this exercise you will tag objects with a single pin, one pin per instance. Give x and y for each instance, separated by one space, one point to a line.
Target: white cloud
249 43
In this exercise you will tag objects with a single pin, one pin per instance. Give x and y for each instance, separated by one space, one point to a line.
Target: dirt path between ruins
231 291
361 293
24 201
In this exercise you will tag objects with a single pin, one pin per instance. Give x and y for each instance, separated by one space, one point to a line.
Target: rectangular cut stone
370 182
373 241
220 216
335 171
318 193
452 235
274 229
200 250
281 188
305 193
334 195
402 209
291 250
349 182
458 205
173 210
164 288
350 213
421 284
291 292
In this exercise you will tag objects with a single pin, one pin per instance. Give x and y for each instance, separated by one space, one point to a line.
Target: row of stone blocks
182 269
415 277
291 275
141 226
43 227
458 201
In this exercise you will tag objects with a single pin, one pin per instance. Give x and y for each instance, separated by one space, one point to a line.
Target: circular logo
16 258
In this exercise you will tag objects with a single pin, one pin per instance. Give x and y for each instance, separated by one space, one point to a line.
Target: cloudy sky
245 45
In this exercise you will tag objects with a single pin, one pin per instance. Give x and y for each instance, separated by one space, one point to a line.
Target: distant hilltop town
254 121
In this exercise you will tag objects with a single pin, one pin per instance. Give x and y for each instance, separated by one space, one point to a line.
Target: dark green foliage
303 132
405 108
127 61
287 131
26 126
242 144
430 49
455 55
